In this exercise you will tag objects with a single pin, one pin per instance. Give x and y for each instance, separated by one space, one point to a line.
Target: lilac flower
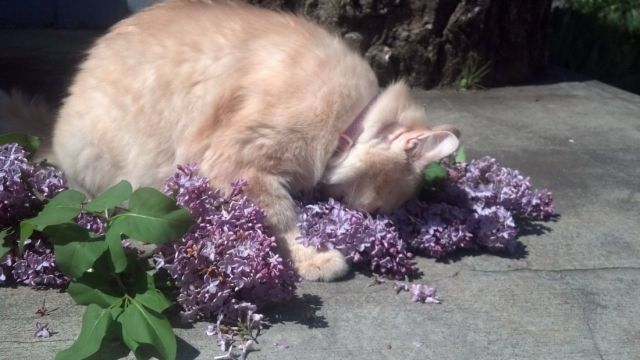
434 229
488 184
36 267
494 228
93 223
362 238
475 209
424 294
228 257
47 180
23 187
17 201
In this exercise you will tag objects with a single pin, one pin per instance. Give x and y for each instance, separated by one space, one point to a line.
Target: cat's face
384 167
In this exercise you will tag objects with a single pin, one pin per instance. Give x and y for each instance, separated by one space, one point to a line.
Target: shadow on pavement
302 309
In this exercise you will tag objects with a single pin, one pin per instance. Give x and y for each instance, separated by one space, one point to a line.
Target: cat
248 93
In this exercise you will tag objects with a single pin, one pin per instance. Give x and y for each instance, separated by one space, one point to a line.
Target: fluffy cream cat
245 93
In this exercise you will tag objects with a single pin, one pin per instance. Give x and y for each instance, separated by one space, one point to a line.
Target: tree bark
428 42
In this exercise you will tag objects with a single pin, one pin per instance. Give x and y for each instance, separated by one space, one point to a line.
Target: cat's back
159 74
200 30
183 52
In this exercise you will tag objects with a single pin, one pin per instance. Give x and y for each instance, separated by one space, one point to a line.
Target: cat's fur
245 93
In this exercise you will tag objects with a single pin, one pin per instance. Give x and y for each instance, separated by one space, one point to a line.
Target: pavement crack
33 342
588 307
448 276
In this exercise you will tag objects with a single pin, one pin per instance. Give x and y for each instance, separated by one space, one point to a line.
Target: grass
599 38
472 75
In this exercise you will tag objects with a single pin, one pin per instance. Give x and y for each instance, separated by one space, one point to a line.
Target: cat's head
383 168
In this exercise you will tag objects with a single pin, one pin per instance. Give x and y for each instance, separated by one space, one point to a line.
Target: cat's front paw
323 266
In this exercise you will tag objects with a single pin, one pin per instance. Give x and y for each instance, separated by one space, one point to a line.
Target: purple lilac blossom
476 208
36 266
227 259
93 223
487 184
23 187
371 241
434 229
17 201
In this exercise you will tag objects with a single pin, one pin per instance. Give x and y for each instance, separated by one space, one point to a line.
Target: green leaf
95 323
98 286
75 249
26 230
145 326
28 142
435 174
152 217
5 242
118 257
60 209
461 156
128 340
154 299
111 197
83 292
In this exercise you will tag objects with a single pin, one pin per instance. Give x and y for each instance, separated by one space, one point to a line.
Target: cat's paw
323 266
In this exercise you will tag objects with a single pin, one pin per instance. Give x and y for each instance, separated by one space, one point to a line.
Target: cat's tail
24 114
21 113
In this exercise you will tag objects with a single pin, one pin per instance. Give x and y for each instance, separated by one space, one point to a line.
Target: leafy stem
121 298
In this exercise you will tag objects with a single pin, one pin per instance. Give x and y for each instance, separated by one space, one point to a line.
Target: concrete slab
573 294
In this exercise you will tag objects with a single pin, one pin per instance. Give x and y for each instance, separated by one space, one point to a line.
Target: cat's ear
423 147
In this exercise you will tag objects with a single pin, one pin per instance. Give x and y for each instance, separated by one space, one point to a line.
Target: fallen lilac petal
255 321
227 356
377 280
424 294
417 344
400 286
246 348
281 346
249 346
42 330
224 341
211 330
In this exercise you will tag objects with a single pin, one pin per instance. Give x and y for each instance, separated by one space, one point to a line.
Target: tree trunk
430 42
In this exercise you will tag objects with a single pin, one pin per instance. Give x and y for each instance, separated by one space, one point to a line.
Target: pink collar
353 132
